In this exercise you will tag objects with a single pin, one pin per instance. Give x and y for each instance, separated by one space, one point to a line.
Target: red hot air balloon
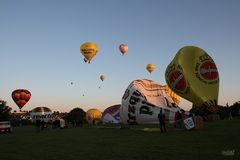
123 48
21 97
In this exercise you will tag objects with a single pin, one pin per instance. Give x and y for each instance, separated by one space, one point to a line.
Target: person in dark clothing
38 124
161 118
178 120
42 124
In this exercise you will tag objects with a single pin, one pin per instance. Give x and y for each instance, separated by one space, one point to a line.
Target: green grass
109 143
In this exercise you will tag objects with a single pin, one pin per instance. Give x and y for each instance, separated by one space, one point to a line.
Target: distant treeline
223 111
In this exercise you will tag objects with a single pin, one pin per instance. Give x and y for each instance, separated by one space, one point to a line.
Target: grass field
107 143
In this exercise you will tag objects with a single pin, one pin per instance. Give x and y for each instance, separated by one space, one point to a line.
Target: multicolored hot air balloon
123 48
150 68
93 116
88 50
193 75
21 97
42 113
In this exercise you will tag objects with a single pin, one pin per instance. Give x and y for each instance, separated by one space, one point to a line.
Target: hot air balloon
21 97
175 97
193 75
93 116
42 113
88 50
142 101
150 68
111 114
102 77
123 48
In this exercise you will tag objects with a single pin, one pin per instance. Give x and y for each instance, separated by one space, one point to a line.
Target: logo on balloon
206 70
177 80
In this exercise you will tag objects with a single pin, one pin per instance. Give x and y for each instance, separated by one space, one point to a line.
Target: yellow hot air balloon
150 68
102 77
193 75
175 97
93 116
88 50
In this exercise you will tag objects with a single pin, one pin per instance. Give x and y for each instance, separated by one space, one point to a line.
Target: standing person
38 124
42 124
161 118
178 120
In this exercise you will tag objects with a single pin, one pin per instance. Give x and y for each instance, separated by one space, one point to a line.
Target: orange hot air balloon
102 77
123 48
150 68
21 97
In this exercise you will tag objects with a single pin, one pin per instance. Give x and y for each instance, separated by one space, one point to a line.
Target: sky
40 40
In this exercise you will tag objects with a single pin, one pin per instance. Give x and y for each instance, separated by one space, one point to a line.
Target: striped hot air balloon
42 113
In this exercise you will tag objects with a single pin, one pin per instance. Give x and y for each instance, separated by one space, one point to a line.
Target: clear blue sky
40 40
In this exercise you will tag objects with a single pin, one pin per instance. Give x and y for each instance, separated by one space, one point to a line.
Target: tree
235 109
5 111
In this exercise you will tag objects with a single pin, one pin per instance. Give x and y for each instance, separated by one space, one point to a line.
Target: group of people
40 124
179 116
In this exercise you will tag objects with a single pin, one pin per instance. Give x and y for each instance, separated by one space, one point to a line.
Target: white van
5 127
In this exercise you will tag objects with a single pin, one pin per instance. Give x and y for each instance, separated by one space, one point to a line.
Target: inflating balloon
111 114
150 68
142 101
41 113
193 75
21 97
123 48
93 116
88 50
175 97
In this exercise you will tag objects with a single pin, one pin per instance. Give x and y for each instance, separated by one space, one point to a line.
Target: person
38 124
42 124
230 113
161 118
178 120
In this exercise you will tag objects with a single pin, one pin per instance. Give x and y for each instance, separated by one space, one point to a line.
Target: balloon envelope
193 75
21 97
175 97
88 50
142 101
102 77
111 114
123 48
93 115
150 68
42 113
